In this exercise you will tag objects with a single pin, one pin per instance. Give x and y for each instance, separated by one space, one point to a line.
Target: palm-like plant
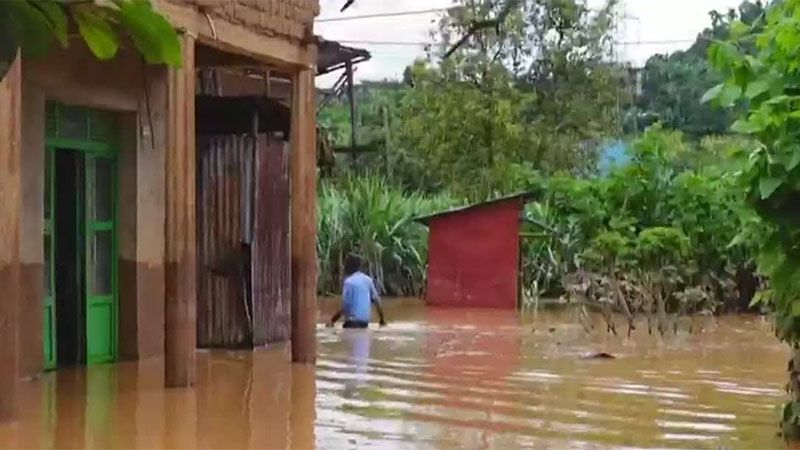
369 216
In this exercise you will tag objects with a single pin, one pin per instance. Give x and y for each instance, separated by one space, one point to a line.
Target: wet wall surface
434 378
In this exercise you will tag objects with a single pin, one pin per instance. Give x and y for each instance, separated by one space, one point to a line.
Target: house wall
286 18
154 108
73 76
32 240
273 31
474 257
10 221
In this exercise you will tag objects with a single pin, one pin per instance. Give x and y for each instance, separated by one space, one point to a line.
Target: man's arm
340 311
376 300
335 317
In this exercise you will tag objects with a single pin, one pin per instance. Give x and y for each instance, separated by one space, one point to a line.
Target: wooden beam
10 203
304 223
180 256
234 38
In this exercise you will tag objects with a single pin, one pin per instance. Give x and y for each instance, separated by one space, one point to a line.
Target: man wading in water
358 295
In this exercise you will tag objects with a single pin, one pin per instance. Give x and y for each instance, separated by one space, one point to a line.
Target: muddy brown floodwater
435 378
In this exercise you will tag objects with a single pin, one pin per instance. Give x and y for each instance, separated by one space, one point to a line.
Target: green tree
453 135
536 91
673 84
760 67
34 25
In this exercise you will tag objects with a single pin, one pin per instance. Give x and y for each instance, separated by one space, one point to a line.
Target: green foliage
645 216
673 84
33 25
608 250
368 216
510 102
762 64
524 107
658 247
458 136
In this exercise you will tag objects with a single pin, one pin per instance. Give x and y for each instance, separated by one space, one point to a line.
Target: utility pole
387 141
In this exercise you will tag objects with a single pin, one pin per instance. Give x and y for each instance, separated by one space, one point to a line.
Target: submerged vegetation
657 218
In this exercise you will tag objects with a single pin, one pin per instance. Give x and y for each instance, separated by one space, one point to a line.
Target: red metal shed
474 255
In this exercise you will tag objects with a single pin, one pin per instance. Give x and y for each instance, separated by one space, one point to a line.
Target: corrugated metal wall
223 181
226 207
243 198
473 257
271 252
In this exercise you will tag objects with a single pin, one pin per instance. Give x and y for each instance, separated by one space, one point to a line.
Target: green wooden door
101 257
49 331
90 133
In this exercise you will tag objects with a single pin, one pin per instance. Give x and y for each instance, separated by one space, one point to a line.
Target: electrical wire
406 13
423 43
382 15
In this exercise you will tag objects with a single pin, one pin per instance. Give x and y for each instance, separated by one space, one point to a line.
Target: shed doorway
80 307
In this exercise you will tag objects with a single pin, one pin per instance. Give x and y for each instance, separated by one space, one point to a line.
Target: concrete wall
73 76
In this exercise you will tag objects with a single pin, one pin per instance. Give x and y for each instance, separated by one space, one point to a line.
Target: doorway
70 321
80 307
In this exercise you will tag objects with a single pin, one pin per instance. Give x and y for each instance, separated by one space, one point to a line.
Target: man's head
352 264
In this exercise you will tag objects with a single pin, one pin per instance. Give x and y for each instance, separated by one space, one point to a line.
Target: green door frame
91 133
49 331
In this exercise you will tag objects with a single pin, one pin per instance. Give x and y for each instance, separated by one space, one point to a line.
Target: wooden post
353 119
387 141
10 204
180 255
304 221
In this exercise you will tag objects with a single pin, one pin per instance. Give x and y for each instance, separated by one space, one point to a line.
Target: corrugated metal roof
524 196
332 56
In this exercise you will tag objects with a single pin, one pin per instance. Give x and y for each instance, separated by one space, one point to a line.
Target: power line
381 15
662 42
408 13
401 43
422 43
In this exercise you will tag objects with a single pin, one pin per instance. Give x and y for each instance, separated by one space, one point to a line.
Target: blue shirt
357 296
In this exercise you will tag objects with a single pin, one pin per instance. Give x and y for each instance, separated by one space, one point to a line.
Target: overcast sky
647 20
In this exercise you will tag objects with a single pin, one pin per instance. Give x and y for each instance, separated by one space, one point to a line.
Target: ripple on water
433 379
452 383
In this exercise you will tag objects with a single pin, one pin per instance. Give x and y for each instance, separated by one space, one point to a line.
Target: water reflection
358 342
435 378
242 400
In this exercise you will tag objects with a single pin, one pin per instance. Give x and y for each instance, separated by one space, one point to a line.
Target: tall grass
369 216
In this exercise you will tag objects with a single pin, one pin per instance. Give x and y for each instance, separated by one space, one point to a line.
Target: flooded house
135 197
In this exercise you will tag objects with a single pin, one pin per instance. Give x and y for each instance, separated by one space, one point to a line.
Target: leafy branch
35 25
761 67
